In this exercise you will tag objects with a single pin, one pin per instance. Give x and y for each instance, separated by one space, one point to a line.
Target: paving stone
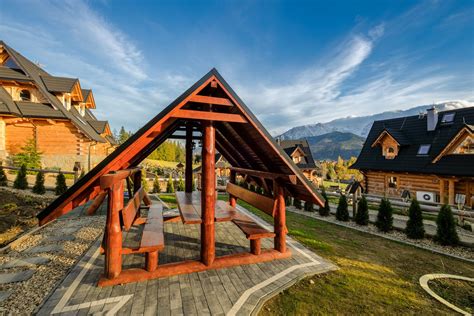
4 295
24 262
45 248
15 277
62 237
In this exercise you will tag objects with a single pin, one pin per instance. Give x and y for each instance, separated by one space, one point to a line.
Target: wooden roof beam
209 116
266 175
210 100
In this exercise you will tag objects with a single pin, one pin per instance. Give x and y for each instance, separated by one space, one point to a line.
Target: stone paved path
239 290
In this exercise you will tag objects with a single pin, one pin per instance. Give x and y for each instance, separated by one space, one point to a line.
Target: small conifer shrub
308 206
180 184
342 212
297 203
324 210
3 178
362 214
446 233
61 186
415 228
385 216
156 185
170 185
21 181
39 188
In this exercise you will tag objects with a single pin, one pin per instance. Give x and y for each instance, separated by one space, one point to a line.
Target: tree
170 185
61 186
415 228
446 233
180 184
308 206
123 135
3 178
145 185
362 214
331 173
342 213
39 188
28 156
297 203
385 216
325 210
156 185
83 173
21 182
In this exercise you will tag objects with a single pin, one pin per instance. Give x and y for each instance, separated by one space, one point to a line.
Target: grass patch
457 292
169 199
328 184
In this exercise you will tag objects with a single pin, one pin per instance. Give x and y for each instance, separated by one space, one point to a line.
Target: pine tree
156 185
170 185
385 216
145 185
297 203
362 214
83 173
342 213
21 182
61 186
415 228
325 210
308 206
3 178
446 233
180 184
39 188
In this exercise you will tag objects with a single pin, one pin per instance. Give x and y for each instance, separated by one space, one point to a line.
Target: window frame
29 95
424 153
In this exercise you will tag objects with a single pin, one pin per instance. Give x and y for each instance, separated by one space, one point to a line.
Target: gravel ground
460 251
27 295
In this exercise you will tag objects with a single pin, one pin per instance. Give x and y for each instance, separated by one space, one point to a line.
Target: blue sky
293 63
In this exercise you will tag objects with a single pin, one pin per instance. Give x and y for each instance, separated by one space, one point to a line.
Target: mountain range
330 146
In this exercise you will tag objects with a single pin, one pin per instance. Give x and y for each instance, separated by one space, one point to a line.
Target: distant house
430 155
222 170
54 112
300 153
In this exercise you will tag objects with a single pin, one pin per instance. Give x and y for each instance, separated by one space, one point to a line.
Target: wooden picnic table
189 205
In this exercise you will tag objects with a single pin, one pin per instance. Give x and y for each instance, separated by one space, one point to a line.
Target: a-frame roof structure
240 138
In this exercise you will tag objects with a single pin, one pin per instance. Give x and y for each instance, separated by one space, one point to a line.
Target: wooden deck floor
233 291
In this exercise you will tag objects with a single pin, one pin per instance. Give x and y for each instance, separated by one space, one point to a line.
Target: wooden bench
189 205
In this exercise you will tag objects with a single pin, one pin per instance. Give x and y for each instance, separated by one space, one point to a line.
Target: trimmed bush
180 184
39 188
288 200
170 185
362 214
324 211
342 213
385 216
446 233
308 206
145 185
156 185
21 182
297 203
61 186
415 228
3 178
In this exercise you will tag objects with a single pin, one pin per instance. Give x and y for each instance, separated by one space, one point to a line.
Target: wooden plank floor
239 290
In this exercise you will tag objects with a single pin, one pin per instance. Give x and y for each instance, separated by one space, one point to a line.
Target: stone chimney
431 119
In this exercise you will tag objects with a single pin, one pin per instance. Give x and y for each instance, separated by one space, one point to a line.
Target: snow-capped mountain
361 125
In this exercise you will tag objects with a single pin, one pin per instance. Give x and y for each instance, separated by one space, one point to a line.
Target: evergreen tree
156 185
288 200
180 184
39 188
385 216
446 233
21 182
83 173
362 214
308 206
61 186
415 228
170 185
123 135
297 203
325 210
342 213
3 178
28 156
145 185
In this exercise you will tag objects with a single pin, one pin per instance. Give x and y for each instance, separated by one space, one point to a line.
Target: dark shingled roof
15 74
7 106
99 126
58 84
85 93
289 146
32 109
415 131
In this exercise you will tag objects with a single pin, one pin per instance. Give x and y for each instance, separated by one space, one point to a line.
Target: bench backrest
263 203
130 211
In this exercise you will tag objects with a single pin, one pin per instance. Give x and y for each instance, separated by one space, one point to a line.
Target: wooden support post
232 198
255 246
280 218
188 173
137 181
451 192
151 261
208 193
96 203
442 193
113 244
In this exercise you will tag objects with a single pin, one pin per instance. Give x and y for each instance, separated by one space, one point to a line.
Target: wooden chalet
300 152
54 112
431 156
210 110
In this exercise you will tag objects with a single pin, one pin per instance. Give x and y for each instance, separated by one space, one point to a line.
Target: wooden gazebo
212 112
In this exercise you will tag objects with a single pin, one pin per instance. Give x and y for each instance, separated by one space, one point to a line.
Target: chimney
431 119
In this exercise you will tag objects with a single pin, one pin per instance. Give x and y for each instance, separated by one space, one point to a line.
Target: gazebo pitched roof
240 138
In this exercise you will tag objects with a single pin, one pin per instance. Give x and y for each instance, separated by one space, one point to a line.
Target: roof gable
240 138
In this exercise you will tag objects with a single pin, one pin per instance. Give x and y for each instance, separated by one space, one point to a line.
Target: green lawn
376 276
327 184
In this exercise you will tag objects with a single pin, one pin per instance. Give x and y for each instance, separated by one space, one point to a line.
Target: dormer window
67 101
25 95
296 159
424 149
447 118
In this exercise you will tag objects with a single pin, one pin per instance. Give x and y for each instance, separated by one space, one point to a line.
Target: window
448 118
25 95
392 182
296 159
391 150
424 149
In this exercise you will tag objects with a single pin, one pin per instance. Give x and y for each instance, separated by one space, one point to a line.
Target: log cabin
430 155
53 112
300 152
